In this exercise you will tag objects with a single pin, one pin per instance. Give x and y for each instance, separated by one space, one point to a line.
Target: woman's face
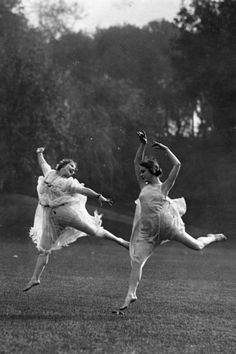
68 170
145 174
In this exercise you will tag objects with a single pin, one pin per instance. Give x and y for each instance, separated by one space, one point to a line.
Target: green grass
186 300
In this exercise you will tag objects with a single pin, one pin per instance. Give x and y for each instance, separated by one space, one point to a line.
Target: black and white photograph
118 178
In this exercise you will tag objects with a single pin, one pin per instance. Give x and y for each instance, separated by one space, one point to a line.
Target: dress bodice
157 219
151 199
55 190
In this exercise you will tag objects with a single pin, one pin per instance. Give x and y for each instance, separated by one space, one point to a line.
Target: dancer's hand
142 136
159 146
105 200
40 150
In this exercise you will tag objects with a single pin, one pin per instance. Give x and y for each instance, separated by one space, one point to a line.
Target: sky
106 13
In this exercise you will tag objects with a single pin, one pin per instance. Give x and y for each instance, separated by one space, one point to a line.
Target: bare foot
31 284
129 300
218 237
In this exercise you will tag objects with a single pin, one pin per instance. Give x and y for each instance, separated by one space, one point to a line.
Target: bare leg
134 279
39 268
64 218
136 271
100 232
108 235
199 243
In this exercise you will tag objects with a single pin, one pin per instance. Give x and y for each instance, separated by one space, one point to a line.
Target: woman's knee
189 241
199 246
101 232
44 257
196 247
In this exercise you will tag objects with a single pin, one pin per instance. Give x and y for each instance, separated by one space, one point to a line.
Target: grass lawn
186 300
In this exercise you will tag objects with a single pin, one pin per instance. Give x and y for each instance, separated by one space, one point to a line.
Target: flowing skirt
148 232
50 232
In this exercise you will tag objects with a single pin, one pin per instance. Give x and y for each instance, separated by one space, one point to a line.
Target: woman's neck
155 180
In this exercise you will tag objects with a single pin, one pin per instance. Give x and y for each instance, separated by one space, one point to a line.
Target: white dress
54 193
157 219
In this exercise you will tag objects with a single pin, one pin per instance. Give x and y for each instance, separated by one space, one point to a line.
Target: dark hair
65 162
152 166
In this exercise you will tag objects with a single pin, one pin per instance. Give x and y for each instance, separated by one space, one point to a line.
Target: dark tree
207 62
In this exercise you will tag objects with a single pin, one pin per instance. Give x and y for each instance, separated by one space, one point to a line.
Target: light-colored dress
157 219
59 196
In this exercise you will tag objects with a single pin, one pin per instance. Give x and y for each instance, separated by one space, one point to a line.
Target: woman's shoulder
51 173
74 183
74 180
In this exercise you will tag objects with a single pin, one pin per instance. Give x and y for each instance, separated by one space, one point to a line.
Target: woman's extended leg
199 243
97 231
134 279
108 235
38 270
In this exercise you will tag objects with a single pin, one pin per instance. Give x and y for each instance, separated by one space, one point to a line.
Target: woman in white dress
157 218
61 216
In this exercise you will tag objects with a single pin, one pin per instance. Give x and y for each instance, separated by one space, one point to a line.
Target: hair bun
152 165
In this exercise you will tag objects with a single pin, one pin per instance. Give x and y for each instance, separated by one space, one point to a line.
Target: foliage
85 96
206 61
29 90
142 56
56 18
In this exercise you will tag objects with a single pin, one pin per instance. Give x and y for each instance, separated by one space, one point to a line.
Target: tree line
84 96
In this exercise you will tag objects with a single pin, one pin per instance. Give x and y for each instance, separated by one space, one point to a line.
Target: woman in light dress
61 216
157 218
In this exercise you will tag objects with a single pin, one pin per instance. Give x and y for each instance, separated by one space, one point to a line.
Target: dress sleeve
73 186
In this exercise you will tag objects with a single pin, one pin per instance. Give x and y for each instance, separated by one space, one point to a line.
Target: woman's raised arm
45 167
140 156
169 182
